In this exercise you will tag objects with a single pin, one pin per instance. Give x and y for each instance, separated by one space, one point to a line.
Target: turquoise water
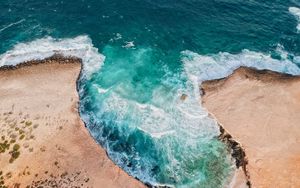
140 57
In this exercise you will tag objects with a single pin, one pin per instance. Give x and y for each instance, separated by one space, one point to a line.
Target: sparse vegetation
16 147
28 123
4 146
22 137
15 153
14 134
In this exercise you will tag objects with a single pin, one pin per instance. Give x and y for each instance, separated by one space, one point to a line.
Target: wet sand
260 110
43 140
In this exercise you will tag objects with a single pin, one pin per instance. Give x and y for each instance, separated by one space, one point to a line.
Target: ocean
143 63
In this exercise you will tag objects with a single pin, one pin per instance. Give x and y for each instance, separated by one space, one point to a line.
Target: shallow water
141 58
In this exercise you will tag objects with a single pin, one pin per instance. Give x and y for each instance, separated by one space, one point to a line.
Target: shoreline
238 154
54 58
229 101
107 172
69 60
237 150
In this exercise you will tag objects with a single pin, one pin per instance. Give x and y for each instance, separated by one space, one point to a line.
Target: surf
296 12
131 100
39 49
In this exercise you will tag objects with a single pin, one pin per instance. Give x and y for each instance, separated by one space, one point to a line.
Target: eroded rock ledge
237 153
259 109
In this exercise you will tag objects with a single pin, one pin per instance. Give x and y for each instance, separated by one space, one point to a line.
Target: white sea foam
296 12
129 44
175 123
80 47
100 90
208 67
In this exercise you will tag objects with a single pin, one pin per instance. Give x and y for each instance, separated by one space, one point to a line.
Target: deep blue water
141 56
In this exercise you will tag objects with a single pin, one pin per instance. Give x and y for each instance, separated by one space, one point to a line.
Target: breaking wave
296 12
80 47
215 66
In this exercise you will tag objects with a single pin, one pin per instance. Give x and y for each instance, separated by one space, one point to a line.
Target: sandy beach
43 141
260 110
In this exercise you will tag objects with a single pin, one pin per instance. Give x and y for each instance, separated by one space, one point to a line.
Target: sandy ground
43 142
261 110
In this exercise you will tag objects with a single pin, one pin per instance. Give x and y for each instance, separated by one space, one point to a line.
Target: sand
261 111
43 140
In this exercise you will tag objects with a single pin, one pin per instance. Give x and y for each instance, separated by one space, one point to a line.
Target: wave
215 66
296 12
80 47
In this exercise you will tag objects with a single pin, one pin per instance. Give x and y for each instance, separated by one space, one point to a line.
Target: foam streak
12 24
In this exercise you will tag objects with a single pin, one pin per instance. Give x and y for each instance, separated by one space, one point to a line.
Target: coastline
111 174
241 177
108 94
258 109
37 117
